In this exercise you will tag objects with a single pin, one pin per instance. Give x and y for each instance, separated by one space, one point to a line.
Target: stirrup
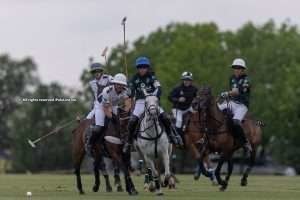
127 147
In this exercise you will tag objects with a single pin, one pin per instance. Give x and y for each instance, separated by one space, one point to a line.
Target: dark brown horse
112 147
78 154
215 135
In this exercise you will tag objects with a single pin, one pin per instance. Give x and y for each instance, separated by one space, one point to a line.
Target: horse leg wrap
157 183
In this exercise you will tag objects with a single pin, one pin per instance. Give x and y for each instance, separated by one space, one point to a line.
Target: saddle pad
113 140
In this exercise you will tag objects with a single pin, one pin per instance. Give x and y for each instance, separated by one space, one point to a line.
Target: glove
225 95
181 99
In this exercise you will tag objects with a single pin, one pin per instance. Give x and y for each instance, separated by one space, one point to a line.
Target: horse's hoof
81 192
214 183
95 188
244 182
133 192
108 189
223 187
120 189
196 177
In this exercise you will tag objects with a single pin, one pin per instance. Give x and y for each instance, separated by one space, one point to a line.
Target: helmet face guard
143 66
187 79
237 67
96 67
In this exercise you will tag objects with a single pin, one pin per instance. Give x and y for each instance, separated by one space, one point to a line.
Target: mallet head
31 143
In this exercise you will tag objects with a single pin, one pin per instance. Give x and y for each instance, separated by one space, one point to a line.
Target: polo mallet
53 132
103 54
123 23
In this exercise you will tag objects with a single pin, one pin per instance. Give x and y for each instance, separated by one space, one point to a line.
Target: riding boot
174 137
97 134
132 125
242 137
181 133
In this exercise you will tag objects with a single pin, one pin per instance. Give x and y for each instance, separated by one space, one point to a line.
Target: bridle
153 119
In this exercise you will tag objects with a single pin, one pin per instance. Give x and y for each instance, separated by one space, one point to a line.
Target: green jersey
241 83
147 82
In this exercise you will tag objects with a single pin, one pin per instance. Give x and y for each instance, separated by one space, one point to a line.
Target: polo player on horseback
145 79
109 100
99 82
239 96
182 97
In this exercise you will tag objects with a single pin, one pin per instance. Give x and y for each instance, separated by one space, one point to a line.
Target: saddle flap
113 140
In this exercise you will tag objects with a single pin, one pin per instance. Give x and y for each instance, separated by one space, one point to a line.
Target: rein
150 138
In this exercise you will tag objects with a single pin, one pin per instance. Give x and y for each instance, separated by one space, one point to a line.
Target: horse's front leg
117 182
251 163
218 173
105 175
96 174
156 178
229 172
168 179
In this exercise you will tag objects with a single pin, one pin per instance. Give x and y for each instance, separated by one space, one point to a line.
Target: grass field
62 187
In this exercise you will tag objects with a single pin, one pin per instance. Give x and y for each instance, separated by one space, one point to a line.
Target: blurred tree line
271 53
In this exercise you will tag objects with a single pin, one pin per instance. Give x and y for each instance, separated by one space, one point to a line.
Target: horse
216 135
78 154
153 143
115 135
79 138
193 144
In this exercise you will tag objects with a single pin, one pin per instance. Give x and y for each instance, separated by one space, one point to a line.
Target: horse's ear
205 89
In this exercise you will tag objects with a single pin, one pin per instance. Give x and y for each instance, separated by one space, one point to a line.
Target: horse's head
152 105
203 99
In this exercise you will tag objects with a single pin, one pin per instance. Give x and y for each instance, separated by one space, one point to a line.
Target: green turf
62 187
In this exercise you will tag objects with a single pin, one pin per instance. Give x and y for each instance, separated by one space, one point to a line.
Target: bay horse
112 145
216 135
79 152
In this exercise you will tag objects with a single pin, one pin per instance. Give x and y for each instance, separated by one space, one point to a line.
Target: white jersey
98 85
110 96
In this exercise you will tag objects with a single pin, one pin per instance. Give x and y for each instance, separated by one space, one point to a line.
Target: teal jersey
242 83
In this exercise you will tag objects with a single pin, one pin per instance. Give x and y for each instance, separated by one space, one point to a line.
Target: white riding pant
139 108
178 115
239 110
99 114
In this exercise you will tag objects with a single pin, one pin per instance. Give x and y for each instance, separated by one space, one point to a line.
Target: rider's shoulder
92 82
108 89
107 76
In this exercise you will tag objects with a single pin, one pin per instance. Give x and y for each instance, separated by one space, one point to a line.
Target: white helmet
187 76
120 79
239 62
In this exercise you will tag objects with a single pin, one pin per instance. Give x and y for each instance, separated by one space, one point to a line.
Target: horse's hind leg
251 163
